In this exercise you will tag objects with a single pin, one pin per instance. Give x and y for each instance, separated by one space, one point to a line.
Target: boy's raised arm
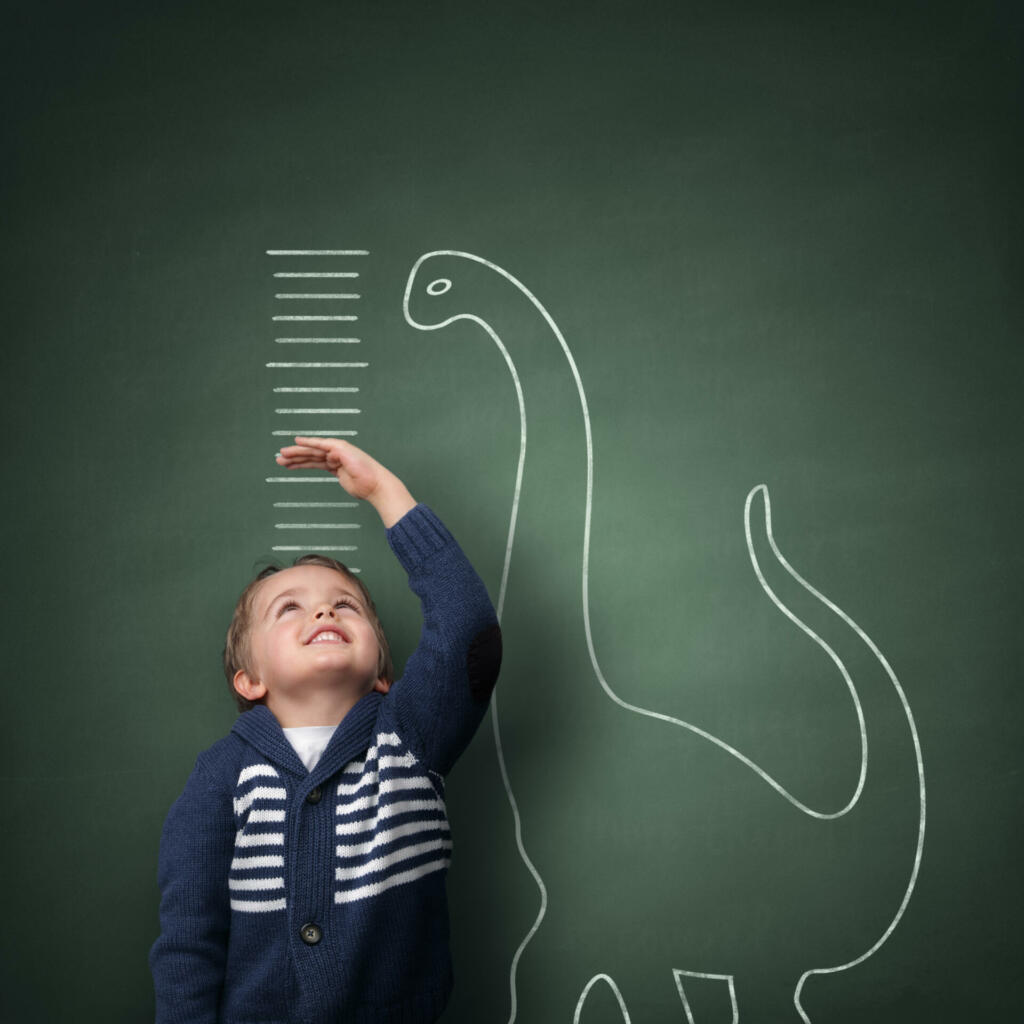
448 679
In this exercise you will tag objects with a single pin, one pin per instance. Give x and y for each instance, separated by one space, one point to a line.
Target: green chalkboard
698 323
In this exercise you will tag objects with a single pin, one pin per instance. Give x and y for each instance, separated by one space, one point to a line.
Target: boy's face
309 630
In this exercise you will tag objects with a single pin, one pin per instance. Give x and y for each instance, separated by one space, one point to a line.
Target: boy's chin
331 679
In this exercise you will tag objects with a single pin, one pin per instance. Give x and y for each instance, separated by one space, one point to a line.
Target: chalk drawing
316 504
586 991
315 295
314 371
316 317
286 411
301 480
423 282
316 273
727 978
306 432
318 252
316 526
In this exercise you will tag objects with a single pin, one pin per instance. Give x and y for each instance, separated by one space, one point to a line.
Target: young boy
313 890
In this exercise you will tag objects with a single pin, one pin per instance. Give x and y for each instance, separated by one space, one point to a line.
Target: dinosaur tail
757 511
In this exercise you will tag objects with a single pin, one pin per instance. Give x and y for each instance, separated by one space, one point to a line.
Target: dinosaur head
445 286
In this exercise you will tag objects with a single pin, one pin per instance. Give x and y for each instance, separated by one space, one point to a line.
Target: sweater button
311 934
314 795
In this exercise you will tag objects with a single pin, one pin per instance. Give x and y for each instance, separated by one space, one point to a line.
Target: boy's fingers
324 444
294 452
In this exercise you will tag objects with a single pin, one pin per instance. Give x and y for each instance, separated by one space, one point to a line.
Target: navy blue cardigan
291 896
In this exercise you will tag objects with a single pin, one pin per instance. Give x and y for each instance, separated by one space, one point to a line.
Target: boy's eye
344 602
286 607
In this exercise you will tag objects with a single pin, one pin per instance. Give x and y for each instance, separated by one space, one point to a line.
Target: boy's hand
356 471
361 475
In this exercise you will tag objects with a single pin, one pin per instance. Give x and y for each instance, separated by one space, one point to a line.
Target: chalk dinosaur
651 827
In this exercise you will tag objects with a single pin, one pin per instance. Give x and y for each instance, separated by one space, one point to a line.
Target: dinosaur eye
439 287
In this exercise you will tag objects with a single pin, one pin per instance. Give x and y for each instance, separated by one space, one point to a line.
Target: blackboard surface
742 259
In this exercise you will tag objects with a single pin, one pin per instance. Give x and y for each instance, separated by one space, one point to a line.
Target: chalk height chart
316 374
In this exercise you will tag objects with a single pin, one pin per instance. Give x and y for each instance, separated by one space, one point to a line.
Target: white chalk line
679 975
316 366
317 273
301 479
589 635
615 990
318 252
306 432
315 317
307 390
316 295
678 978
317 526
317 341
288 412
316 504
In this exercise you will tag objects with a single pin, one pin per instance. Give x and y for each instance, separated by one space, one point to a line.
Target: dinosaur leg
767 999
603 1006
707 998
637 994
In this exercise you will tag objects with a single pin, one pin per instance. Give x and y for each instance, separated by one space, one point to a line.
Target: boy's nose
327 609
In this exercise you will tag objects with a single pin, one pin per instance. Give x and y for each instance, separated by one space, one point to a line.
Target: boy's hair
236 646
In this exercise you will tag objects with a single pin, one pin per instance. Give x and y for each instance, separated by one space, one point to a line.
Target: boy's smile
329 634
309 634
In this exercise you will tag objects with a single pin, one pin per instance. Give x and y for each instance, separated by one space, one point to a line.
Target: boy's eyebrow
290 592
293 591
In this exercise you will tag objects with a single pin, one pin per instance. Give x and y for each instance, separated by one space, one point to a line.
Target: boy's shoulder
253 735
222 761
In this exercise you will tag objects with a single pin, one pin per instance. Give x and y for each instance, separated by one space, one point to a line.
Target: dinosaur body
721 870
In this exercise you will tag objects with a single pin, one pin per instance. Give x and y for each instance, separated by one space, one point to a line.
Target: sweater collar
260 728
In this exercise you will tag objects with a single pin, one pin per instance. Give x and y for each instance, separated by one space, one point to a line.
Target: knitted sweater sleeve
445 688
188 959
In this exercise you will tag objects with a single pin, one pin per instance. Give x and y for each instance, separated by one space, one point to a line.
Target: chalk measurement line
317 341
306 432
309 389
317 295
316 526
318 252
317 273
288 412
316 317
599 675
316 366
302 479
315 504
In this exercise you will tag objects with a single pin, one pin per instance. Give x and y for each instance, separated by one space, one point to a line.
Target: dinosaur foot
648 997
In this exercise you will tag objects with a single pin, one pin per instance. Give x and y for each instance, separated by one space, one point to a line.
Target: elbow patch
483 659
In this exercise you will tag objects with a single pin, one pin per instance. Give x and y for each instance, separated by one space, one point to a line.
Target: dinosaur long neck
540 599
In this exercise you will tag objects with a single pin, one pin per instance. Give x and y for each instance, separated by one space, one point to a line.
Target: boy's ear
381 685
247 687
